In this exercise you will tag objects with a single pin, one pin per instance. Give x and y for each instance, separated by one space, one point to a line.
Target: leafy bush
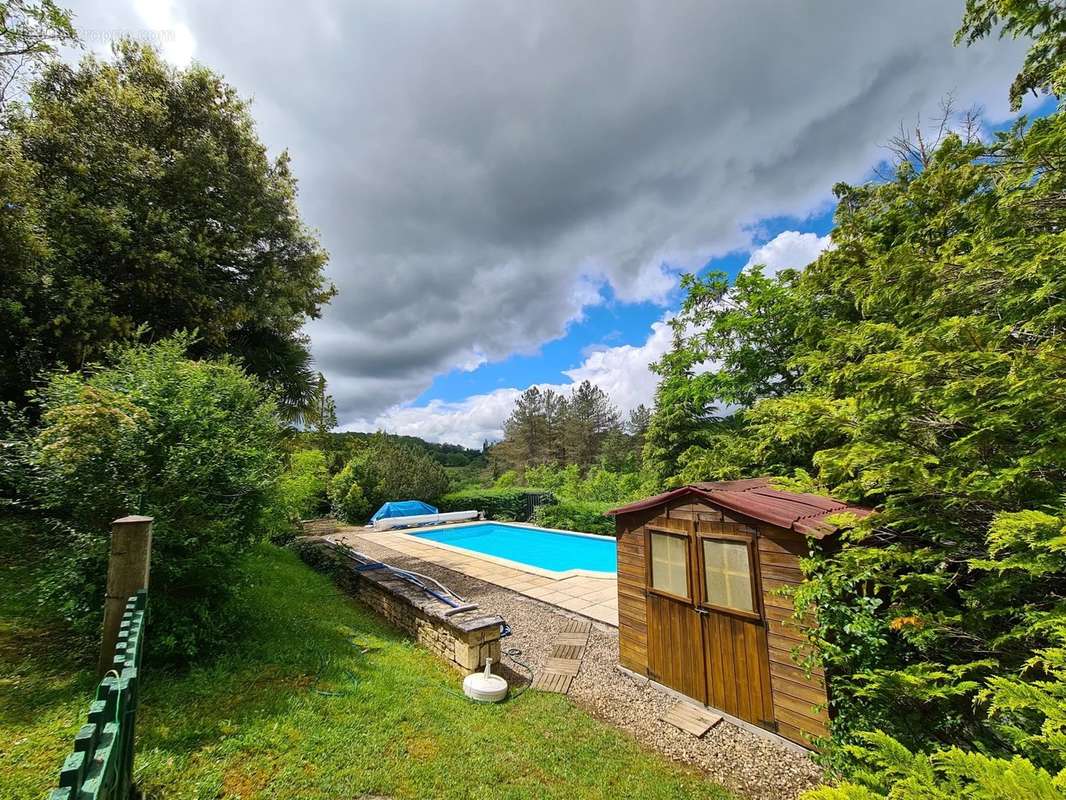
576 515
349 502
605 486
504 504
553 477
890 770
300 493
384 469
507 480
598 485
193 444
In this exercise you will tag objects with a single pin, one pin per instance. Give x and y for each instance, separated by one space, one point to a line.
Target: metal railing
101 766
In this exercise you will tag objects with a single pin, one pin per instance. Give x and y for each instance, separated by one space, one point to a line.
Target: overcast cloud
482 171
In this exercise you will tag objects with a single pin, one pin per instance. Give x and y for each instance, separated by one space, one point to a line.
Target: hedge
504 504
576 515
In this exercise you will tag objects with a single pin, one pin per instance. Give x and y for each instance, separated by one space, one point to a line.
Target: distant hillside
450 455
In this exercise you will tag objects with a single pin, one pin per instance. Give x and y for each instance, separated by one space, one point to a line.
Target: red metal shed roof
755 498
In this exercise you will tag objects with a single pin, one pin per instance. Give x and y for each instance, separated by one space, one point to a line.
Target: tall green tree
1042 21
528 430
589 418
973 472
734 344
533 434
636 427
29 34
637 423
735 340
321 415
556 409
583 428
158 206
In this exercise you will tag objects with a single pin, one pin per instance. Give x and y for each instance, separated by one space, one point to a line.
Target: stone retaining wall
464 640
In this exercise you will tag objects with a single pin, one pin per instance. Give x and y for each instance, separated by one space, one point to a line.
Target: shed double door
716 656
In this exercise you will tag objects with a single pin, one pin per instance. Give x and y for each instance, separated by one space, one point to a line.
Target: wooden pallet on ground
691 719
564 663
577 626
552 682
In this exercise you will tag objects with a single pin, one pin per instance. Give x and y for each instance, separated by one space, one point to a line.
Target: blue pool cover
403 508
537 547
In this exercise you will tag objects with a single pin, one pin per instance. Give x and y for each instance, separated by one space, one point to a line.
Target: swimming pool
539 548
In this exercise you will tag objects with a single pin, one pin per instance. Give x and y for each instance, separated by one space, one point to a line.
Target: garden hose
513 653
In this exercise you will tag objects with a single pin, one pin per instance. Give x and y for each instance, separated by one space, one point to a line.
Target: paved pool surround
591 596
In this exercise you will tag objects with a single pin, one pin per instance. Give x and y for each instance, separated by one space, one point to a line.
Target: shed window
669 564
727 574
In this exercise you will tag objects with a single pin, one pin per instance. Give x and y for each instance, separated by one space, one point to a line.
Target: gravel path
744 762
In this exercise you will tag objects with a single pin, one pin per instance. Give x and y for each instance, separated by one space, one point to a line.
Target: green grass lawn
296 709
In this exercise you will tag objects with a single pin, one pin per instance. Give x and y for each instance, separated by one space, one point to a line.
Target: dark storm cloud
478 169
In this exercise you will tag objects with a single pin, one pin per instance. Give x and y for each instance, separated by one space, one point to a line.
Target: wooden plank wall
632 573
632 594
738 679
799 699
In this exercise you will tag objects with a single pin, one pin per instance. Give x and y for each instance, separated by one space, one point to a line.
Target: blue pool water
536 547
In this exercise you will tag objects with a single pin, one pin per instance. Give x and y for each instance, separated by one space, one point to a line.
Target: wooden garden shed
698 610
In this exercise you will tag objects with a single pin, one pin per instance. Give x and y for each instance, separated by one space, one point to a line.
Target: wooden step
572 638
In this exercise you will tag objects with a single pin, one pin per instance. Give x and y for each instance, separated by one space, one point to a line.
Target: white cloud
621 371
166 30
468 422
789 249
478 171
160 23
652 282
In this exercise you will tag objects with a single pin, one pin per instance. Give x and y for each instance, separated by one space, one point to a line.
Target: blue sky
610 324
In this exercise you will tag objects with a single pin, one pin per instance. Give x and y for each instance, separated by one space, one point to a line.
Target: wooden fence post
127 574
